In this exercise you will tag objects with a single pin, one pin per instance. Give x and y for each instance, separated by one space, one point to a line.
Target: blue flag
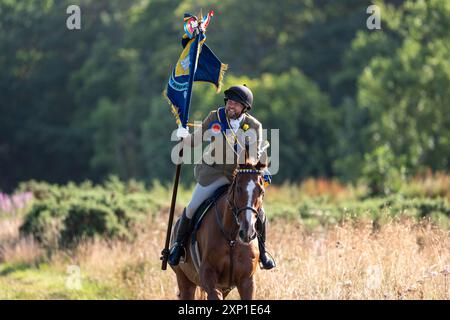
197 62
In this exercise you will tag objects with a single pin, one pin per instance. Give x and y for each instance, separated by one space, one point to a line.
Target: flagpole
165 252
191 80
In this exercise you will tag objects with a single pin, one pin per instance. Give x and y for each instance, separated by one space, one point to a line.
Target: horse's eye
239 189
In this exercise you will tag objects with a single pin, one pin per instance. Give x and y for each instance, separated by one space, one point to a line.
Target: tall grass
15 249
401 259
370 252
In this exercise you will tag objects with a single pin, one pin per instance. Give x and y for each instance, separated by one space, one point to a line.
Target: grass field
399 260
395 256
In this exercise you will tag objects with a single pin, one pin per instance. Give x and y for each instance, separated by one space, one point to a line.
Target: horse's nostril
241 234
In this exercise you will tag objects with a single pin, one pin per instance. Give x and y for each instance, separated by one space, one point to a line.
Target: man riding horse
238 101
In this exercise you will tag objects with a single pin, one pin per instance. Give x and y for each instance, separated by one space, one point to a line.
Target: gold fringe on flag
223 69
172 108
174 111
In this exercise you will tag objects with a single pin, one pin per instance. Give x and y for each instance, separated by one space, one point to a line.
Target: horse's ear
248 161
261 165
247 154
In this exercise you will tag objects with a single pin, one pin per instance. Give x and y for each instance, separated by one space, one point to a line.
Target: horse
227 242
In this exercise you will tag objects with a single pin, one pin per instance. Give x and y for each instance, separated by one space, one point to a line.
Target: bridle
234 209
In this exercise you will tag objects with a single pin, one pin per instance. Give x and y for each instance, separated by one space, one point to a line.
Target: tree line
350 103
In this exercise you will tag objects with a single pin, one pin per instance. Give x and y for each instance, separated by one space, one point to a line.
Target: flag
197 62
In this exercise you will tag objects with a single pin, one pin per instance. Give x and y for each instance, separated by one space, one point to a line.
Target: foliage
381 171
88 103
64 215
405 94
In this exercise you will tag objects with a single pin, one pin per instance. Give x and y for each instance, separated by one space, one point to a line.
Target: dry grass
399 260
15 249
9 229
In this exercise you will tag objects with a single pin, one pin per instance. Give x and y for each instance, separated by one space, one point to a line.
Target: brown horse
228 247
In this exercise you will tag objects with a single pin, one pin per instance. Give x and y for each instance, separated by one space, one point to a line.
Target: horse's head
246 197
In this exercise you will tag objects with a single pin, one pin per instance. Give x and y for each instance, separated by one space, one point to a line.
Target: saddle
203 208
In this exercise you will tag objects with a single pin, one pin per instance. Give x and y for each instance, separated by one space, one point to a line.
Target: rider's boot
266 261
184 229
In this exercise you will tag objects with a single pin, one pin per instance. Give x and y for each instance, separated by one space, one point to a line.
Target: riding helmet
241 94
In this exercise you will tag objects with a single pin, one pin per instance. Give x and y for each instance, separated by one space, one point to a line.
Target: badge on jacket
216 127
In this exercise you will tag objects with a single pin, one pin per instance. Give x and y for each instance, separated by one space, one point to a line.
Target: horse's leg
209 279
186 286
225 294
246 289
200 294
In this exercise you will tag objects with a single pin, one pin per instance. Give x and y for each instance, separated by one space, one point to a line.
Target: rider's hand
182 132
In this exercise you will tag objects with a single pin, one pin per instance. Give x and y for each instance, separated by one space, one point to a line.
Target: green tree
406 94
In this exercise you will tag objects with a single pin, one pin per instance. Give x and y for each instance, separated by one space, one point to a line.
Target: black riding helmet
241 94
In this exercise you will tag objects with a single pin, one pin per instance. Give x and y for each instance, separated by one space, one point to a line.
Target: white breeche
201 193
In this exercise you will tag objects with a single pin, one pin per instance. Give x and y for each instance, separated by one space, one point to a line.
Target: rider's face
233 109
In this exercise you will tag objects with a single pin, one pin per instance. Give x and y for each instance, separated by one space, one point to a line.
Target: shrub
63 215
382 171
315 212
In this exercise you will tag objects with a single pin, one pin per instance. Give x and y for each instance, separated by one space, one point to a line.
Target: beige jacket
209 170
